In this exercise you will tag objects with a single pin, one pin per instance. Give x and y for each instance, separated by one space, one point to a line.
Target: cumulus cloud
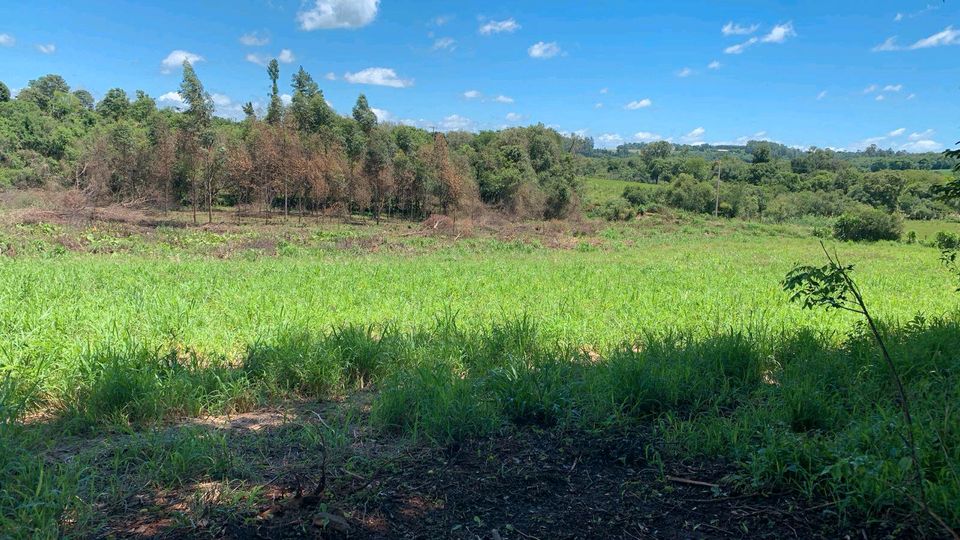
441 20
610 139
285 57
514 117
176 58
445 44
604 90
503 99
332 14
897 132
472 94
286 99
695 135
779 33
734 29
911 96
544 50
646 136
714 65
381 114
254 39
378 76
880 97
455 122
598 105
923 145
893 88
921 135
821 95
6 40
171 99
638 104
331 76
870 89
48 48
498 27
685 72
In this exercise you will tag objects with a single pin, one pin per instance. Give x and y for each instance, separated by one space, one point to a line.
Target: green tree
196 130
114 105
275 111
4 93
364 115
85 98
43 90
761 153
143 107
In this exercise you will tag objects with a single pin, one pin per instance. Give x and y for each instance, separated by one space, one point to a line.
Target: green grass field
463 338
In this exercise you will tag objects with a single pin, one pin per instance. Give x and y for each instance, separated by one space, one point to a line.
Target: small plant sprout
831 287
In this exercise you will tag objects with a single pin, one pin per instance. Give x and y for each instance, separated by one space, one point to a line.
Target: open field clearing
200 383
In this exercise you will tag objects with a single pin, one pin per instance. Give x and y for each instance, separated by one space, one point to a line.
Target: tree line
297 158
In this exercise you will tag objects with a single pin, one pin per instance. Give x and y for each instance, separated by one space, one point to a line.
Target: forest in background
302 157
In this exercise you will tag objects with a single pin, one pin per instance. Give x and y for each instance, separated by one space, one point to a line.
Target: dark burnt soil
544 485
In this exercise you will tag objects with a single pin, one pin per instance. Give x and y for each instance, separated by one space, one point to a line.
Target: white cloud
221 100
285 56
455 122
445 44
740 47
646 136
779 33
514 117
889 44
821 95
48 48
171 99
503 99
911 96
639 104
733 29
497 27
918 136
254 39
897 132
441 20
714 65
544 50
382 115
685 72
6 40
610 139
331 76
378 76
598 105
286 99
898 17
604 90
176 58
257 59
472 94
893 88
694 136
880 97
948 36
923 145
870 89
328 14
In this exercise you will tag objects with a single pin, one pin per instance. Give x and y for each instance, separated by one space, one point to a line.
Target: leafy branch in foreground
831 287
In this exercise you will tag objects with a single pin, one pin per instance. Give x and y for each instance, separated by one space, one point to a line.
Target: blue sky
832 74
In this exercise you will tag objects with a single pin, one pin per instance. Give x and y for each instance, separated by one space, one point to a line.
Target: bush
947 241
869 225
615 210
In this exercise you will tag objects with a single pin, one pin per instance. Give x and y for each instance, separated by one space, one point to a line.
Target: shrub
947 241
615 210
869 225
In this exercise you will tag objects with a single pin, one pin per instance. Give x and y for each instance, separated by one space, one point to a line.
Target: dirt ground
525 483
